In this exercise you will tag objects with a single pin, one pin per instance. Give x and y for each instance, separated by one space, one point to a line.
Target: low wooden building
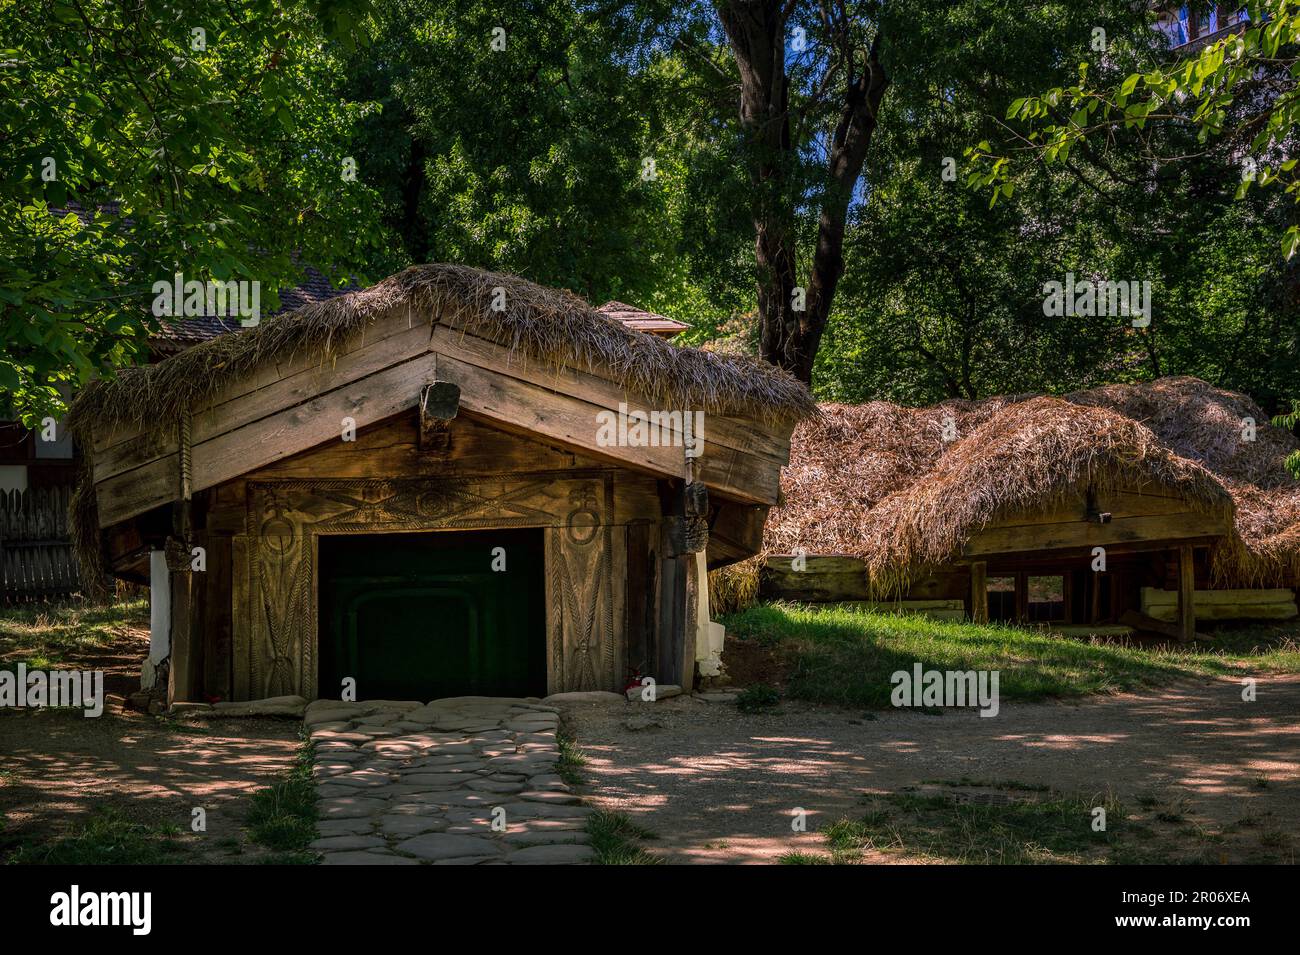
1124 508
454 482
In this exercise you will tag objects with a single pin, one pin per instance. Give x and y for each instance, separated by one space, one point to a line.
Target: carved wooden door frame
276 652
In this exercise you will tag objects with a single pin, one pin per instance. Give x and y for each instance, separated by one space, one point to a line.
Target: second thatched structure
1126 507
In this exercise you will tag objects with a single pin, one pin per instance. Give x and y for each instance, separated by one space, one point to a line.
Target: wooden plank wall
598 602
836 578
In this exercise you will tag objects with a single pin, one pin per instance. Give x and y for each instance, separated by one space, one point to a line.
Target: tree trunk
756 29
414 231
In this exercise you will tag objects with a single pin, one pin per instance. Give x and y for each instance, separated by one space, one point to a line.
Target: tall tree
839 90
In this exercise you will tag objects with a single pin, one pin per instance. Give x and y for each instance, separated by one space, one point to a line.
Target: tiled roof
181 334
641 320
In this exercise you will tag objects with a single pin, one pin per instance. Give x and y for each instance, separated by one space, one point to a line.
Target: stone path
465 781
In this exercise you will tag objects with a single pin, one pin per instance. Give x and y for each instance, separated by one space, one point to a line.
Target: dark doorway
422 616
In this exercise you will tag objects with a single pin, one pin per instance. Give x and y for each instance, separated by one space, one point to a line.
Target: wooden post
979 592
1022 596
1186 594
181 685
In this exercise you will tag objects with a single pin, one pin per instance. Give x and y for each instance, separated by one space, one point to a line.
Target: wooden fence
36 558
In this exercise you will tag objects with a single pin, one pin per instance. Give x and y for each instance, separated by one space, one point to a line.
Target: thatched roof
878 481
541 324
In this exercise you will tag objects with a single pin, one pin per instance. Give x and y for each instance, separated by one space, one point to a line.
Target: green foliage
47 635
1216 91
224 162
942 294
616 840
1014 832
562 155
283 815
572 759
216 155
1289 421
108 838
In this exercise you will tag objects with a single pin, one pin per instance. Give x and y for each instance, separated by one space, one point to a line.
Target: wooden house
1120 509
453 482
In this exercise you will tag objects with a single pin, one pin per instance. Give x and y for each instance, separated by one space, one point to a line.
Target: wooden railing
36 557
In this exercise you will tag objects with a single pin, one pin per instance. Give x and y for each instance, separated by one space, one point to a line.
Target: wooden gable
291 406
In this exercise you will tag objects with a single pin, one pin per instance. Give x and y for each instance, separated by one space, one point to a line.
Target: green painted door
423 616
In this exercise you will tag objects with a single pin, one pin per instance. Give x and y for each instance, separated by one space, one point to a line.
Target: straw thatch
539 324
878 481
734 587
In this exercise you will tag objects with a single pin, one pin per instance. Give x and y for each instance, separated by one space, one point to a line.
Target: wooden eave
291 406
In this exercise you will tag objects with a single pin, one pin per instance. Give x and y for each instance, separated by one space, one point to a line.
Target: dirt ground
57 768
715 785
720 786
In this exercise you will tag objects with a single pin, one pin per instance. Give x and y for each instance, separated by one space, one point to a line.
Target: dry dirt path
717 785
58 768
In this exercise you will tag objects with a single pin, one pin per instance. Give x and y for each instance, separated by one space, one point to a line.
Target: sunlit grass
44 635
846 656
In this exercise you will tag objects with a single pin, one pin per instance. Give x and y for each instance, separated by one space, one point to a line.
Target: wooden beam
439 405
736 532
1186 594
514 404
735 432
979 592
1142 621
1077 535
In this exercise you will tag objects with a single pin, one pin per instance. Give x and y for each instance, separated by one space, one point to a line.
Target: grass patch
846 656
615 838
44 635
1030 830
569 766
759 698
802 858
283 815
1008 784
108 838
